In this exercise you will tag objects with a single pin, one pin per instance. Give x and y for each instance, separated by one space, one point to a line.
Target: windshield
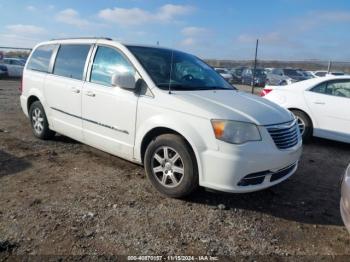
185 72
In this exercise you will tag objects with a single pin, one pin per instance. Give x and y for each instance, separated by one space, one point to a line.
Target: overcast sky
223 29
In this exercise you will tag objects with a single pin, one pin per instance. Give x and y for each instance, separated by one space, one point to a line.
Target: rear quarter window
40 59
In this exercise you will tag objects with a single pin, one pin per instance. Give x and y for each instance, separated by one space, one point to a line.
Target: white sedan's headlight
235 132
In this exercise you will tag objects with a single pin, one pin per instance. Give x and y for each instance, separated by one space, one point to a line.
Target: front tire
305 125
171 166
38 121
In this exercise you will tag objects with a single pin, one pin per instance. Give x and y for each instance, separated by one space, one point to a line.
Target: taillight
265 91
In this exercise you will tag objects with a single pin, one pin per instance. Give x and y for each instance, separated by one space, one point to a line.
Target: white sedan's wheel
305 125
301 125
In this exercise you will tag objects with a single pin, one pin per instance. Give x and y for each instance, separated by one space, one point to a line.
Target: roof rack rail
85 37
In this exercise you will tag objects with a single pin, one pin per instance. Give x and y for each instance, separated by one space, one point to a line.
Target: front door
330 104
109 112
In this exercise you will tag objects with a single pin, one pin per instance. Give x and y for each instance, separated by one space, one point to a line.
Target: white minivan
162 108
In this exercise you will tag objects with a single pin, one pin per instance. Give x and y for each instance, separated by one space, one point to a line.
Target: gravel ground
61 197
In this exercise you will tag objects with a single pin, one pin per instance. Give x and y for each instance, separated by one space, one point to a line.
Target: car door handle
319 103
90 93
75 90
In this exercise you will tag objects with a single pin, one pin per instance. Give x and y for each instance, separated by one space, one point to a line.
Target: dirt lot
63 198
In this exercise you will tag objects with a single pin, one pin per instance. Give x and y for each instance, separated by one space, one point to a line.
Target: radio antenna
171 69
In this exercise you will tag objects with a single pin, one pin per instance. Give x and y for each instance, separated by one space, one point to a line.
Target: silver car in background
345 199
286 76
14 66
224 73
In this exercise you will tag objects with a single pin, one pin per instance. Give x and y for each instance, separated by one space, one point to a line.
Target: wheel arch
157 131
303 111
31 100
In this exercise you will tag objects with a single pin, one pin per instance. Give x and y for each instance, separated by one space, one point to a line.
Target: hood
235 105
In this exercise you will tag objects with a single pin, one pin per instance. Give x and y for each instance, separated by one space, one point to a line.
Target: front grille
284 135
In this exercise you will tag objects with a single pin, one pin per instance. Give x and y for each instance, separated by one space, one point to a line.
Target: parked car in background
237 74
268 70
134 102
225 74
259 77
14 66
321 105
320 73
325 73
306 74
345 199
285 76
3 71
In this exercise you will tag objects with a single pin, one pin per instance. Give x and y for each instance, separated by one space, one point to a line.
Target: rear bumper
23 101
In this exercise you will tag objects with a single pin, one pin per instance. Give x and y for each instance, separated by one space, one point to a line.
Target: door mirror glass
124 80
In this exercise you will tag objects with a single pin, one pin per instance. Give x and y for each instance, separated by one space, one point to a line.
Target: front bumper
224 169
345 199
345 214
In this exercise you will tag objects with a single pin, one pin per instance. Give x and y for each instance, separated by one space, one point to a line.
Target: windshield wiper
191 88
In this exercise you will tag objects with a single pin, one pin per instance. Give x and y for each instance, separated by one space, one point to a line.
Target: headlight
235 132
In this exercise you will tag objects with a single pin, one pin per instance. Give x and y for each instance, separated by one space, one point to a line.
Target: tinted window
320 88
259 72
107 62
70 61
321 73
40 58
291 72
339 88
277 72
221 71
337 73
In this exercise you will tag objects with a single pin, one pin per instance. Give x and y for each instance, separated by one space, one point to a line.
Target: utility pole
255 62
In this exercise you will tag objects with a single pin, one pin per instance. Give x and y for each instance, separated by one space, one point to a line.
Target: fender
188 131
37 93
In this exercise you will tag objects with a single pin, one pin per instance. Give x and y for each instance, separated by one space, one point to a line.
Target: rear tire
39 123
305 125
171 166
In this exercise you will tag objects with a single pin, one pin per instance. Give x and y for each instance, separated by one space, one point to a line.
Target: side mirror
124 80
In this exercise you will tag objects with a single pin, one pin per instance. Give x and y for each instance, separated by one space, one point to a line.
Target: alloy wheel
38 120
168 166
301 125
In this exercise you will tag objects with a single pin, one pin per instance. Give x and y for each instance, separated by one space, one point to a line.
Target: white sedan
321 105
